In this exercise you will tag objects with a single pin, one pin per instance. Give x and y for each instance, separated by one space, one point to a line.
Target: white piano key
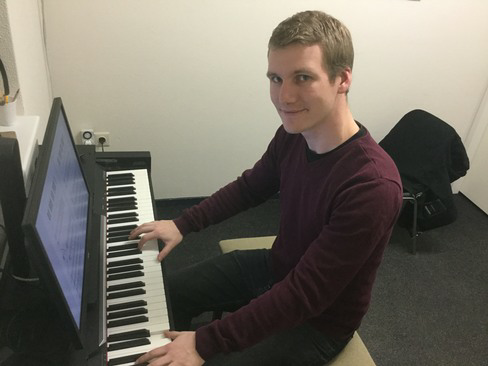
152 273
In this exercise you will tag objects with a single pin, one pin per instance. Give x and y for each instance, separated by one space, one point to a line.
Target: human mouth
292 112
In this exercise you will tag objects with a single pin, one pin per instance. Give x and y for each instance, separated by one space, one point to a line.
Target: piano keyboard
136 305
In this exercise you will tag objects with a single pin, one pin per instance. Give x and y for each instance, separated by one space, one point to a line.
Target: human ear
345 79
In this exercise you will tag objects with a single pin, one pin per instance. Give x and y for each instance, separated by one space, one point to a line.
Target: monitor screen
56 218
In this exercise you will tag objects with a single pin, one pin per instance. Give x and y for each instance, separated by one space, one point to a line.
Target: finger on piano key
122 242
156 341
149 254
149 247
154 299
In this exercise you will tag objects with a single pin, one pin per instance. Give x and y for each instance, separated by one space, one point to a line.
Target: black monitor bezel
36 250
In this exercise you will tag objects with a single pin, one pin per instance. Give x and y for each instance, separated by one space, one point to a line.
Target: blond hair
316 27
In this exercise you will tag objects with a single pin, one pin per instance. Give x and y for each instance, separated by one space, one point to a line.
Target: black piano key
124 359
120 182
126 313
124 262
121 221
120 178
127 305
121 276
125 336
133 267
128 293
113 177
125 286
123 235
124 253
121 227
128 344
121 199
122 238
122 208
122 218
114 238
119 175
115 207
124 203
120 191
119 232
127 321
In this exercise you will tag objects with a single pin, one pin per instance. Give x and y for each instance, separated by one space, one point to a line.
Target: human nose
287 93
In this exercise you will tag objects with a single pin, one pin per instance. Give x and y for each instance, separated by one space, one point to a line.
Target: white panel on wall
7 52
476 181
30 62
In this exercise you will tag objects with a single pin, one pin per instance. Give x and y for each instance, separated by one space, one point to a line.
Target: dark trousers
227 282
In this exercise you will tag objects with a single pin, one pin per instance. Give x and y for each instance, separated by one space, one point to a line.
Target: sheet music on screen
62 219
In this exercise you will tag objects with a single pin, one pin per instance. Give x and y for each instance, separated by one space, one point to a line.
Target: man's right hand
165 230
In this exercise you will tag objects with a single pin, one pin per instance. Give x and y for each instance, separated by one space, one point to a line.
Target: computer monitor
55 222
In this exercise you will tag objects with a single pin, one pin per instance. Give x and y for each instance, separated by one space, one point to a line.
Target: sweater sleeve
252 188
334 260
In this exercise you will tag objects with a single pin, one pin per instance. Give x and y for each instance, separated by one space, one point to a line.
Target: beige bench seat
354 354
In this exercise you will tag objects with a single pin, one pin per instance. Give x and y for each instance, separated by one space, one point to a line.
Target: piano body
81 208
129 304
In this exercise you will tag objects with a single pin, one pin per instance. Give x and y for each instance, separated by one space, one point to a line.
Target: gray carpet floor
427 309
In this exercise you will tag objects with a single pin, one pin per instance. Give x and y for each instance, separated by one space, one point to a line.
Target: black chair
429 155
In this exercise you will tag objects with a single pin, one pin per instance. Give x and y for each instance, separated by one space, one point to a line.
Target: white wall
23 53
7 53
186 79
30 59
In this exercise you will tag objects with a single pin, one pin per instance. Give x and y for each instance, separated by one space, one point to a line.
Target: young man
300 302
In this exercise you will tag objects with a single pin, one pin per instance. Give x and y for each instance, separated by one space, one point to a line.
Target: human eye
275 79
303 78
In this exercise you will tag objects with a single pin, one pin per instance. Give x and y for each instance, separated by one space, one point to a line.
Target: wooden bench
354 354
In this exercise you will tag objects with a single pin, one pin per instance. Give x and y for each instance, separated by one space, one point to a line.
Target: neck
337 129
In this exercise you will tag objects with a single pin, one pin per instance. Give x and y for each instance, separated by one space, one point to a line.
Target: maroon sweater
337 213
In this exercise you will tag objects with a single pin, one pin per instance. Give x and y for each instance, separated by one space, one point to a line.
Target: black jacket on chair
429 155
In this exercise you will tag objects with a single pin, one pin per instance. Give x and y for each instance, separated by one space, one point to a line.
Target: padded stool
354 354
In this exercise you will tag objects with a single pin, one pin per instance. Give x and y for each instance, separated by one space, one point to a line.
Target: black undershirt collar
313 156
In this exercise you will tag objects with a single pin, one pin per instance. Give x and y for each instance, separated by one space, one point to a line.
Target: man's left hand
181 351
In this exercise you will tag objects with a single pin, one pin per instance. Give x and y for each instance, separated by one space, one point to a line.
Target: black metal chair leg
414 227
